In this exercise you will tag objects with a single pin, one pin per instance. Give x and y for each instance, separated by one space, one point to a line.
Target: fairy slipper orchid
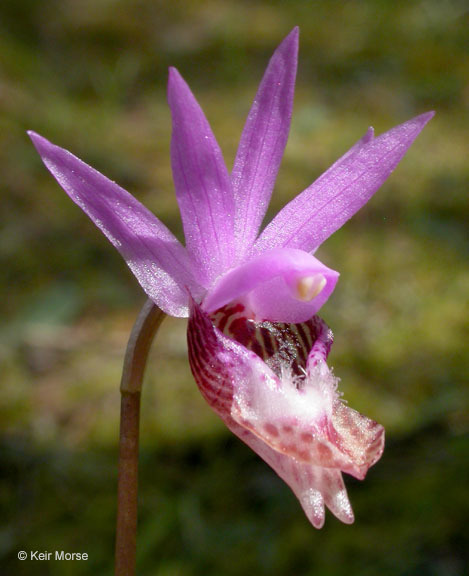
256 347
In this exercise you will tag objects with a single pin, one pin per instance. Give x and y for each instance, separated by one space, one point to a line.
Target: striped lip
279 344
270 381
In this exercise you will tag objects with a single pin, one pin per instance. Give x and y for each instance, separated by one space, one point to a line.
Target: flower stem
141 338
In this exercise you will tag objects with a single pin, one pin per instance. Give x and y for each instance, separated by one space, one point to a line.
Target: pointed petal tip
318 522
347 518
176 83
44 147
37 139
291 41
428 115
417 123
368 137
312 502
173 73
294 34
423 119
405 133
173 76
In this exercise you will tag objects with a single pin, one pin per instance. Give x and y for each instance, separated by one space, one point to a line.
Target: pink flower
256 348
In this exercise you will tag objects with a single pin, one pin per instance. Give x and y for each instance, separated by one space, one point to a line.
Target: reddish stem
141 338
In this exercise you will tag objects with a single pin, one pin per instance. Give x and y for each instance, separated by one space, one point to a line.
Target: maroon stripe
208 371
276 343
269 342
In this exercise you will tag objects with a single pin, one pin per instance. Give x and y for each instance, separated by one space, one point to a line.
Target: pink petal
274 286
159 262
263 142
329 202
202 182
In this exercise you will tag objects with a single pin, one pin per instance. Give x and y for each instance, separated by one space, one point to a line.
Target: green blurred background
91 76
